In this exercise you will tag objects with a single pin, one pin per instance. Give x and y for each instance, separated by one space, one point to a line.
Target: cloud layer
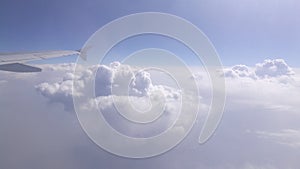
260 128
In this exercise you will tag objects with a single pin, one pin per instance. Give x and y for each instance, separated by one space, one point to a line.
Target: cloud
54 136
112 78
58 92
239 71
252 166
244 85
106 105
2 81
273 68
141 83
288 137
268 69
115 77
244 166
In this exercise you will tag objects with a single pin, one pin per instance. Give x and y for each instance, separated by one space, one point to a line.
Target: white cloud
58 92
141 83
273 68
115 75
276 69
243 85
106 105
288 137
260 104
239 71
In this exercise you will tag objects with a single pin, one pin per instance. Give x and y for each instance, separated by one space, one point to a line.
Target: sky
243 32
46 117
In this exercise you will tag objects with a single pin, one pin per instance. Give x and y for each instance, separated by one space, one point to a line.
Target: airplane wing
13 62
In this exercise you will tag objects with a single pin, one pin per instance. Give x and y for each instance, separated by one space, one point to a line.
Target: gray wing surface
14 62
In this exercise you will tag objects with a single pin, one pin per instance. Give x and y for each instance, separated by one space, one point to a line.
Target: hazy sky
260 128
243 31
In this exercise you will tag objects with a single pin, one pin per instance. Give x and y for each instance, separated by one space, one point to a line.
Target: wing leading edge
13 62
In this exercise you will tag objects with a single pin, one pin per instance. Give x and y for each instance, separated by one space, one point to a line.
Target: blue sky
243 31
260 128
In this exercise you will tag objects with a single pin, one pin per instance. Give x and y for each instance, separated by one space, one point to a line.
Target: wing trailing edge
19 67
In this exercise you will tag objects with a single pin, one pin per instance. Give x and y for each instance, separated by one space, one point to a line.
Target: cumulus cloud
273 68
111 78
239 71
58 92
116 76
276 68
141 83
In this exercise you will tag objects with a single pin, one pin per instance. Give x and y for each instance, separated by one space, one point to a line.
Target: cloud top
273 68
276 68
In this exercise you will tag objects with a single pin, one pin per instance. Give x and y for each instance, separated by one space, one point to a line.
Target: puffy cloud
62 91
58 92
244 88
141 83
141 89
104 80
273 68
276 68
239 71
106 77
